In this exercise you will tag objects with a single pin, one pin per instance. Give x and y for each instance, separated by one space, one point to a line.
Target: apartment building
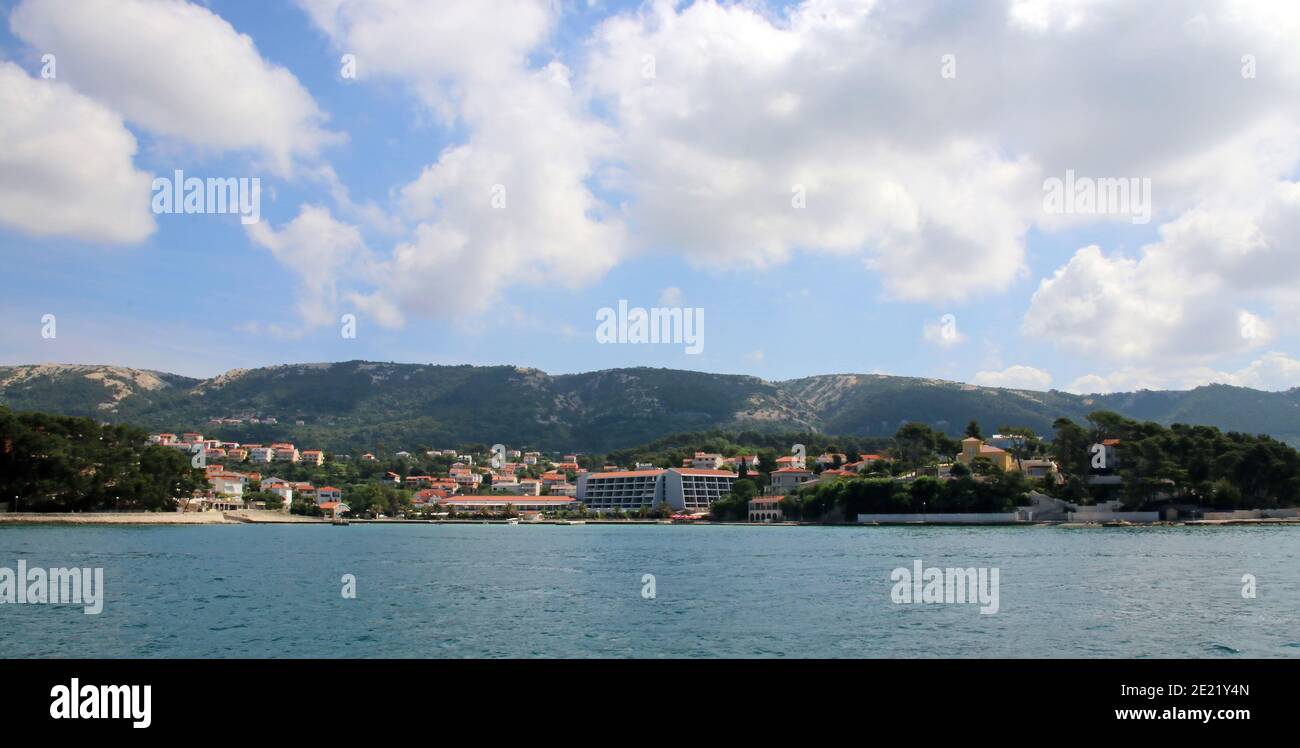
683 489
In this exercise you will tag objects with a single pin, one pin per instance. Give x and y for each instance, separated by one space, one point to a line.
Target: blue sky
924 192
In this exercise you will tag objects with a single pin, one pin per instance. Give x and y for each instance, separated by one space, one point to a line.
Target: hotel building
683 489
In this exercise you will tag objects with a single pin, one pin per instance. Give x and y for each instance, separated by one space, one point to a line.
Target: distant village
533 484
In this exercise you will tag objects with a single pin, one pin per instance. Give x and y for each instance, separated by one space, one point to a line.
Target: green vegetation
358 406
62 464
1180 464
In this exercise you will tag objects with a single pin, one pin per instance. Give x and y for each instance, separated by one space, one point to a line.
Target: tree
973 429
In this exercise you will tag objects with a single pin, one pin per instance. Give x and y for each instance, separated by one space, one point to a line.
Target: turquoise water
556 591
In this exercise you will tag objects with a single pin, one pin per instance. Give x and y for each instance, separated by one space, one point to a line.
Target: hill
362 405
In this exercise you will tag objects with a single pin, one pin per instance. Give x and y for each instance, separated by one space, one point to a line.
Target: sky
830 186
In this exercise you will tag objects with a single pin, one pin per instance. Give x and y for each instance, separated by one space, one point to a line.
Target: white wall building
683 489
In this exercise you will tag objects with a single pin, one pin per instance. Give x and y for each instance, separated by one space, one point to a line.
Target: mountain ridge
368 405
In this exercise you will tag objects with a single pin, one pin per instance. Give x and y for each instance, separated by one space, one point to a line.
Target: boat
512 521
576 522
339 521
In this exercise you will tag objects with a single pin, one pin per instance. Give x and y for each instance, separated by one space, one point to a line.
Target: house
419 481
706 461
865 462
973 448
283 490
369 457
790 461
326 494
261 454
766 509
788 479
830 459
553 477
285 452
1040 469
465 477
562 489
749 461
191 437
313 456
525 487
228 484
429 496
334 508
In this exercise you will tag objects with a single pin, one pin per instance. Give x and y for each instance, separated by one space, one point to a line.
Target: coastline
280 518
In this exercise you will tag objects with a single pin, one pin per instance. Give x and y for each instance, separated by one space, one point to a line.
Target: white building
683 489
766 509
706 461
785 479
229 484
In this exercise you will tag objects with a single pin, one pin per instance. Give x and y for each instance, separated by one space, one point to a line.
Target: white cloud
1185 299
180 71
1015 377
66 164
671 296
1273 371
512 205
322 252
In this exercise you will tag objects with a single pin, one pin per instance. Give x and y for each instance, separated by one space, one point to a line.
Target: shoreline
246 517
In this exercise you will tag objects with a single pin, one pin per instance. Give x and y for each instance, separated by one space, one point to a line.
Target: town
925 477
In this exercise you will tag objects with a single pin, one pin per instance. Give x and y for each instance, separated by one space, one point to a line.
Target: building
790 461
326 494
865 462
766 509
283 490
230 484
334 508
706 461
314 456
525 487
466 478
973 448
497 504
285 452
562 489
829 459
785 480
261 454
682 489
